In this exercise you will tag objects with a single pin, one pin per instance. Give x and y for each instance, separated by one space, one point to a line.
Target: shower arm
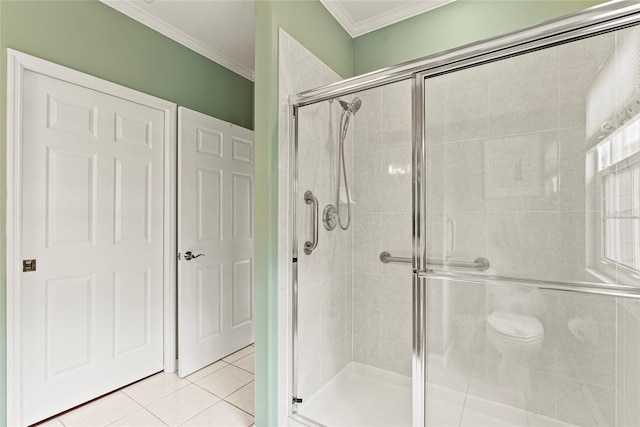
481 264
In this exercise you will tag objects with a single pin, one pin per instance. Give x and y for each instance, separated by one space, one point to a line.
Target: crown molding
393 16
145 18
344 19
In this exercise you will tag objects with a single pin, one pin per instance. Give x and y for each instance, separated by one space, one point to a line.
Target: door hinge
297 400
179 256
28 265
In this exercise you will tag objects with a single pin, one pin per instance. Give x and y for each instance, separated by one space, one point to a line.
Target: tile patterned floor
221 394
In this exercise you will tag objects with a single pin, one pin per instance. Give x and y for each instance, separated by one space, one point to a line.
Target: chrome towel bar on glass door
480 264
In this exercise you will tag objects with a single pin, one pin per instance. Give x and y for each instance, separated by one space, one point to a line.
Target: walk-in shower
491 272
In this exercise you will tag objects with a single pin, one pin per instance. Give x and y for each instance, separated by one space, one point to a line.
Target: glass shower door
533 163
352 313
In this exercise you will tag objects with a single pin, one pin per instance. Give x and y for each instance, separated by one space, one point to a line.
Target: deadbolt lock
28 265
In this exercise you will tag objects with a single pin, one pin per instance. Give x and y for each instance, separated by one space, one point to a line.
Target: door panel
215 291
92 178
519 152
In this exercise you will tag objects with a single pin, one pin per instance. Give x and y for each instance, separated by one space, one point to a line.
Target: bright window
619 166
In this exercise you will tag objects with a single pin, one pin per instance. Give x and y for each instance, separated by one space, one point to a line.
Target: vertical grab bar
310 199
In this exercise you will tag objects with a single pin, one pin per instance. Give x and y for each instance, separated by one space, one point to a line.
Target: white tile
244 398
247 363
572 149
456 177
579 63
311 319
155 387
366 348
396 181
366 184
536 420
367 303
225 381
239 354
51 423
456 106
338 306
396 108
366 243
395 356
438 416
336 250
500 385
510 232
141 418
456 374
222 414
310 376
573 246
457 235
521 172
182 405
475 419
101 412
396 238
396 295
216 366
585 404
523 93
367 124
631 380
479 411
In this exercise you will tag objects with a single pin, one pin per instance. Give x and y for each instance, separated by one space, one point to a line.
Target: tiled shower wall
325 276
382 194
507 153
628 363
479 120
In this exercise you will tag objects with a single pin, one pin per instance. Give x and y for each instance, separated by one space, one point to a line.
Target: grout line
154 415
242 369
205 409
464 403
208 391
231 403
236 406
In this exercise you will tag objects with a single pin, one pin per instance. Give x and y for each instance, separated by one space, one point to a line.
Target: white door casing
90 196
215 218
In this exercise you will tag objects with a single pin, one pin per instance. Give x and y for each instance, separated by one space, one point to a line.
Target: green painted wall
310 23
453 25
91 37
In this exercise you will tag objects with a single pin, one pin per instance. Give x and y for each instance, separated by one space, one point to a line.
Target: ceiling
224 30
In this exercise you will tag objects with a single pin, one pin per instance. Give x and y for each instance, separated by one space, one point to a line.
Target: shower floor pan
361 395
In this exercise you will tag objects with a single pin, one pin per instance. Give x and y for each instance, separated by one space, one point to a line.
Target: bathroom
447 226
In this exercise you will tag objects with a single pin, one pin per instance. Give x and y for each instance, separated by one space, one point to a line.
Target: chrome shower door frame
601 19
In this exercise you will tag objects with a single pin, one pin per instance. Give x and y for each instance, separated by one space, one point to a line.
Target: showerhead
352 107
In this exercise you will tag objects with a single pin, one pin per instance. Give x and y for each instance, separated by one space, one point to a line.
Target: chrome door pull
310 245
189 256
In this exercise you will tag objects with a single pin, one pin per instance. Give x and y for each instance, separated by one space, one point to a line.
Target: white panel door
92 174
215 219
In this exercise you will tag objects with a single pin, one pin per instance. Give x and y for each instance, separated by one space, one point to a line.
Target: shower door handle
310 245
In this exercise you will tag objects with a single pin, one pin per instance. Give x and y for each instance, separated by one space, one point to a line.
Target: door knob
189 255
